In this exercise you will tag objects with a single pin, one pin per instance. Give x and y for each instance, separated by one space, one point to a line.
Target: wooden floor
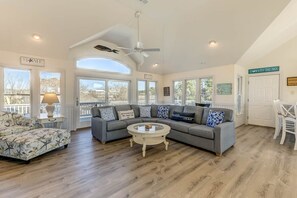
257 166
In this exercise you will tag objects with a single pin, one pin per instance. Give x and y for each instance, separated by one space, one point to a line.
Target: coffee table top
156 128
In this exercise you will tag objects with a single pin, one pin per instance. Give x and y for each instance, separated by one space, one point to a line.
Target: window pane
50 82
91 93
206 90
190 92
118 92
102 64
177 92
141 90
152 92
17 91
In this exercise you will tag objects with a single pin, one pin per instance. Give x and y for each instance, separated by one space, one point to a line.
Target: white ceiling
181 28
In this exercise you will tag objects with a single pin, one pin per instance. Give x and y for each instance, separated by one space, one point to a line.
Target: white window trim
146 90
241 112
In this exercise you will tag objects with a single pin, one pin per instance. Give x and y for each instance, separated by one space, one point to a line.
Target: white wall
285 57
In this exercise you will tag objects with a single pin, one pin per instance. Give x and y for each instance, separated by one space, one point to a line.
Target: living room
96 54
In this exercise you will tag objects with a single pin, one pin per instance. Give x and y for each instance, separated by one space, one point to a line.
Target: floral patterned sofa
24 139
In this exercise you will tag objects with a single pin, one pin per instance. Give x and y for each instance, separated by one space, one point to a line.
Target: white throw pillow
145 112
107 114
123 115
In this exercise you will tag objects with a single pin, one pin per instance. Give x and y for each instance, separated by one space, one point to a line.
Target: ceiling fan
139 45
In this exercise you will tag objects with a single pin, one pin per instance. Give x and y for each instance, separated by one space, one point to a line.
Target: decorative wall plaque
224 89
292 81
32 61
148 76
166 91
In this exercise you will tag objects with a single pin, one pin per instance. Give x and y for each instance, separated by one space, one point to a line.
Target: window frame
117 80
213 89
239 92
183 92
146 91
185 88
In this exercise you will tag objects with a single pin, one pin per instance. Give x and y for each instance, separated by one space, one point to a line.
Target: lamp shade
50 98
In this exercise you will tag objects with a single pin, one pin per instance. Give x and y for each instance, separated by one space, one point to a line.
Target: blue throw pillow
185 117
215 118
163 112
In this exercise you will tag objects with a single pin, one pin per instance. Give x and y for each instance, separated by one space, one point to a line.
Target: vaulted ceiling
181 28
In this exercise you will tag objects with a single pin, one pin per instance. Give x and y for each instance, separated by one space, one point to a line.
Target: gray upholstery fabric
99 129
154 111
176 108
117 134
149 119
227 118
136 110
224 136
202 131
182 126
165 121
116 125
132 121
95 112
197 110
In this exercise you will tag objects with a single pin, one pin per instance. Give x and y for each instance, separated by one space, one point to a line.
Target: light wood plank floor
257 166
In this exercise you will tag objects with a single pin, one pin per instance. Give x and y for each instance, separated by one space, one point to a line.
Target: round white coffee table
155 135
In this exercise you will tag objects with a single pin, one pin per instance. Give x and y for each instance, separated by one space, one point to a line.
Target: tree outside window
178 92
206 90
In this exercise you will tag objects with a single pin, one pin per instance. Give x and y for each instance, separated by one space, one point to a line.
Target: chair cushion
182 126
14 130
107 113
197 110
133 121
202 131
228 117
163 111
123 115
215 118
145 111
116 125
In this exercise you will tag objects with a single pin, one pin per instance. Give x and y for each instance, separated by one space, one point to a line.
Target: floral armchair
23 138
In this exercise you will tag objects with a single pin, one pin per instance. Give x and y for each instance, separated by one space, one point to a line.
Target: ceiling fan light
139 45
155 65
212 43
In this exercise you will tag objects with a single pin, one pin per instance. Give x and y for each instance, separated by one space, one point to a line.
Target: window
152 92
190 92
141 92
118 92
17 91
178 92
206 90
50 82
146 92
102 64
239 94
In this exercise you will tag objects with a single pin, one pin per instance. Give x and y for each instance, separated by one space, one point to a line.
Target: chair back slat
288 110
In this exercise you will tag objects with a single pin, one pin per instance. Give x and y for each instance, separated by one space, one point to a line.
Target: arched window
103 64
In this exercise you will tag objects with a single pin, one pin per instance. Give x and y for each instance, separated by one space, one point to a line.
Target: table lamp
50 99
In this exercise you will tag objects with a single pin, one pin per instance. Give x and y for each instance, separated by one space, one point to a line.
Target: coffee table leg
143 149
131 142
166 144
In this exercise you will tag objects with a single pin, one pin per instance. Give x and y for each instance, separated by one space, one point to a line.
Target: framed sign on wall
292 81
32 61
224 89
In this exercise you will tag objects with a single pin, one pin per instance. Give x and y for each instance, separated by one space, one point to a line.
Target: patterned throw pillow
145 112
163 112
215 118
123 115
107 114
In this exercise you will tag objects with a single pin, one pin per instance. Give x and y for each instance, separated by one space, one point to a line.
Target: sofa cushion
145 111
227 118
123 115
182 126
154 111
150 119
136 110
202 131
165 121
185 117
163 111
116 125
122 107
175 108
133 121
107 113
197 110
215 118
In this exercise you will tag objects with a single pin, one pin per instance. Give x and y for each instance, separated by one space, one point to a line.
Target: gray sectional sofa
217 139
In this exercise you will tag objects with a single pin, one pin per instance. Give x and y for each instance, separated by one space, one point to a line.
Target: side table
56 121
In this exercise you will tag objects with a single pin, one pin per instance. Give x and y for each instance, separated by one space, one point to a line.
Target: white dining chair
278 118
289 117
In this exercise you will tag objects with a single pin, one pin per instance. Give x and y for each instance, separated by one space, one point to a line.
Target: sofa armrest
99 129
224 137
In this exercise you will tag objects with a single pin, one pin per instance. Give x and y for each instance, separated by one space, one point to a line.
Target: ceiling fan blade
151 50
128 54
145 54
125 48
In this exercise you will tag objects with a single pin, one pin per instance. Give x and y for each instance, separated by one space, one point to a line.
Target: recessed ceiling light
155 65
212 43
36 37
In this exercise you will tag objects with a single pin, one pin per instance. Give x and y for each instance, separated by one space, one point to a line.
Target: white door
262 91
